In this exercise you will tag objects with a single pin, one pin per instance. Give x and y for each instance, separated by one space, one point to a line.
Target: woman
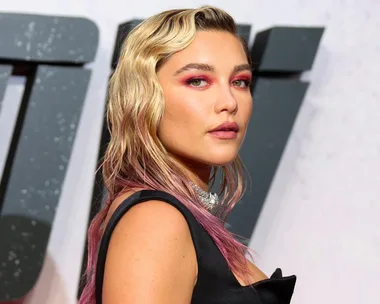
179 106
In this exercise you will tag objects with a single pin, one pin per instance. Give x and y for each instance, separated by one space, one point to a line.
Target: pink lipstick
227 130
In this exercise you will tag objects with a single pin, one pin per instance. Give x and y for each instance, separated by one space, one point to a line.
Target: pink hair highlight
135 158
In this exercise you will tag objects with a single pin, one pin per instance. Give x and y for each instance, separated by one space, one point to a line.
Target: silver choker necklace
208 199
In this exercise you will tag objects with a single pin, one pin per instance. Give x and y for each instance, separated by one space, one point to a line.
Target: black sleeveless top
216 284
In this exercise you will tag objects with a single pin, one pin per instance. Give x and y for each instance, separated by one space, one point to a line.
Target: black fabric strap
138 197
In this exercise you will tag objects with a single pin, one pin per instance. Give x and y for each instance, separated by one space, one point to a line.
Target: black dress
216 284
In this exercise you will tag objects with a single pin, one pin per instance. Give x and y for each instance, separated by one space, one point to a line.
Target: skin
197 100
138 268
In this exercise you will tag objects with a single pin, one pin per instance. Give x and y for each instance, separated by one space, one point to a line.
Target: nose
226 101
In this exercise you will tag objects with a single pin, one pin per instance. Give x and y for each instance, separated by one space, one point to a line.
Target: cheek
180 120
246 108
250 109
180 127
183 110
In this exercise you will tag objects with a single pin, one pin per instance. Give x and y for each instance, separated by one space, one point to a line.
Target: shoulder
150 253
153 209
144 216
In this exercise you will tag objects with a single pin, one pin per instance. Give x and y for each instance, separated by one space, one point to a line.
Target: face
205 86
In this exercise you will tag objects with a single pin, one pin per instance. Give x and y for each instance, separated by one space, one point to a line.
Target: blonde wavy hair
135 157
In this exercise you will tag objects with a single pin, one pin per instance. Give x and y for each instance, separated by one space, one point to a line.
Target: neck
198 173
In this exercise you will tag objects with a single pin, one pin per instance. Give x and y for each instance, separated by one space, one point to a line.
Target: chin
221 159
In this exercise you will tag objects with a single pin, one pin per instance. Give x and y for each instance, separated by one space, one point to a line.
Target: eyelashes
245 81
196 82
202 82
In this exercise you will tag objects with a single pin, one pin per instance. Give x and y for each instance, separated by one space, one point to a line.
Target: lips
226 127
227 130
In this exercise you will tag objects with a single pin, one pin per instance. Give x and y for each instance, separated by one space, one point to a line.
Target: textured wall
322 216
321 219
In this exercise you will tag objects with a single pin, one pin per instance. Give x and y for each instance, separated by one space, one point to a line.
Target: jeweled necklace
208 199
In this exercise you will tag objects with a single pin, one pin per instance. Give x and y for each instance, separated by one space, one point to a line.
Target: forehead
217 48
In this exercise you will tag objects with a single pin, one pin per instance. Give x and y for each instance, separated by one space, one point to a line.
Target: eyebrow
210 68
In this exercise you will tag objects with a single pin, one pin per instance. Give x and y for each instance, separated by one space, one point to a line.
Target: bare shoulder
151 256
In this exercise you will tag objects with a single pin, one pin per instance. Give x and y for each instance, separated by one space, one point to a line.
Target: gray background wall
321 218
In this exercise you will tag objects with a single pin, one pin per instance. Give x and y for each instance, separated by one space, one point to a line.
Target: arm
151 258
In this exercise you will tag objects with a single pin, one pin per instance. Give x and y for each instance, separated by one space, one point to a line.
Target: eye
197 82
241 83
